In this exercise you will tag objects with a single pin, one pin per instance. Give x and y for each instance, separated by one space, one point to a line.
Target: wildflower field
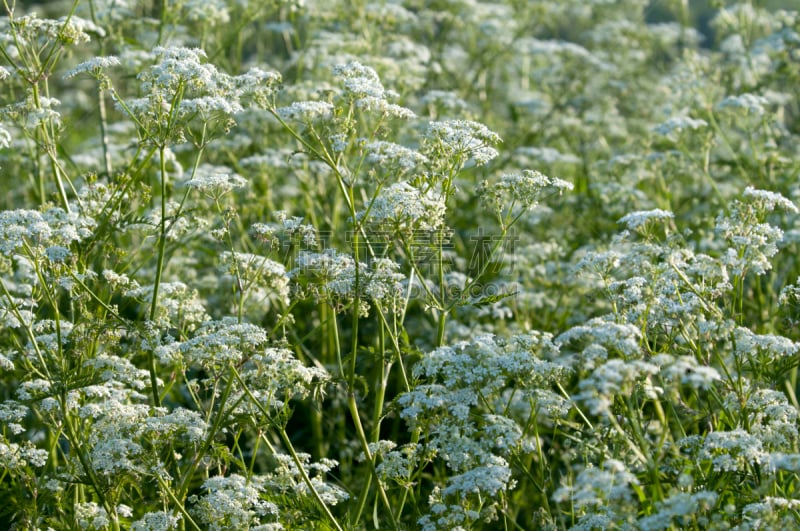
401 264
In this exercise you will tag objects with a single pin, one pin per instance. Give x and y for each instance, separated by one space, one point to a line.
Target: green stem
290 447
215 426
101 104
353 406
177 502
161 6
162 243
88 470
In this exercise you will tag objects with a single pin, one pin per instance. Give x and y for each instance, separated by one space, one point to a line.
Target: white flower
231 502
256 87
306 111
612 378
177 66
116 369
257 272
209 105
481 480
177 303
94 66
763 347
463 139
780 461
678 509
595 487
634 220
216 184
732 451
276 375
187 424
385 154
679 124
525 189
749 103
54 227
157 521
402 206
768 201
686 371
770 513
622 338
210 12
359 81
91 516
547 155
221 342
15 457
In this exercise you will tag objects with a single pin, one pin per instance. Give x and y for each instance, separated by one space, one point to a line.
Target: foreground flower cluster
399 265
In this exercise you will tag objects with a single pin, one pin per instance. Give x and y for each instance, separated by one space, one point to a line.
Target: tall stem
101 104
162 243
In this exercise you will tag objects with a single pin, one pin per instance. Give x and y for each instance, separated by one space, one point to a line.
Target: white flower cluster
752 242
636 220
178 304
285 479
275 376
217 343
613 378
306 111
681 509
770 513
770 417
448 405
748 103
388 154
257 86
210 12
544 155
31 112
586 346
265 278
732 451
331 276
91 516
359 81
396 464
762 349
232 502
685 370
594 487
30 30
94 67
37 231
363 86
11 415
114 369
115 442
677 124
178 67
157 521
404 207
524 189
461 140
766 201
16 457
181 86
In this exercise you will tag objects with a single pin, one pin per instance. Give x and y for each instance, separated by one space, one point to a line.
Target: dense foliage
407 264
